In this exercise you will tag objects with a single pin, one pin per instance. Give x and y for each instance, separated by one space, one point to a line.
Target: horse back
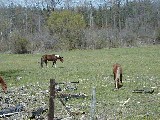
49 57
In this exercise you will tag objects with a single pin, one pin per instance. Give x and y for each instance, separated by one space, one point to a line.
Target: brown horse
3 84
53 58
117 71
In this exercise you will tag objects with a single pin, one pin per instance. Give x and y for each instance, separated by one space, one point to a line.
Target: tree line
44 26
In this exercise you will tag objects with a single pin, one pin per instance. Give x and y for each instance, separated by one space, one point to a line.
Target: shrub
157 41
20 45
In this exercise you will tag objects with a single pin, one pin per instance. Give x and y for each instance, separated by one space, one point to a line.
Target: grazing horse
52 58
3 84
117 71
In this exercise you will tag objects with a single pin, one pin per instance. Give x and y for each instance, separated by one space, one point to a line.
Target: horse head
60 58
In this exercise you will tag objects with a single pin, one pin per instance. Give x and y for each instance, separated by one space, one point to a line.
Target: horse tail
41 61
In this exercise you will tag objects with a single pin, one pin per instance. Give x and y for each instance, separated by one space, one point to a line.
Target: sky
34 2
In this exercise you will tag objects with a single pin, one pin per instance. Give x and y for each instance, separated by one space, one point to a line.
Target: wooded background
37 26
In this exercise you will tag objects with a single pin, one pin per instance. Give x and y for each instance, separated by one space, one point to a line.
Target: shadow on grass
60 67
10 73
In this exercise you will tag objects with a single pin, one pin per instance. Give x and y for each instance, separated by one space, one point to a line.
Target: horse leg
114 76
54 64
115 80
116 83
46 63
121 78
41 62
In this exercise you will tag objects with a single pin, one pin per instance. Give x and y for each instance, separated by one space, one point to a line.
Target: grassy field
93 68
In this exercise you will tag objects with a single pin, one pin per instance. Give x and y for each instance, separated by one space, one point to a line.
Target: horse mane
57 55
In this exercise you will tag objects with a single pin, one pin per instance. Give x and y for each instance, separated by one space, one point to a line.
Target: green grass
93 68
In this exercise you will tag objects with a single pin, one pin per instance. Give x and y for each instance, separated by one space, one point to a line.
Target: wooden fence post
51 99
93 104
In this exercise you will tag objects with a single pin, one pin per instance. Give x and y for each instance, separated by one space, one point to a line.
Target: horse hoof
115 89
